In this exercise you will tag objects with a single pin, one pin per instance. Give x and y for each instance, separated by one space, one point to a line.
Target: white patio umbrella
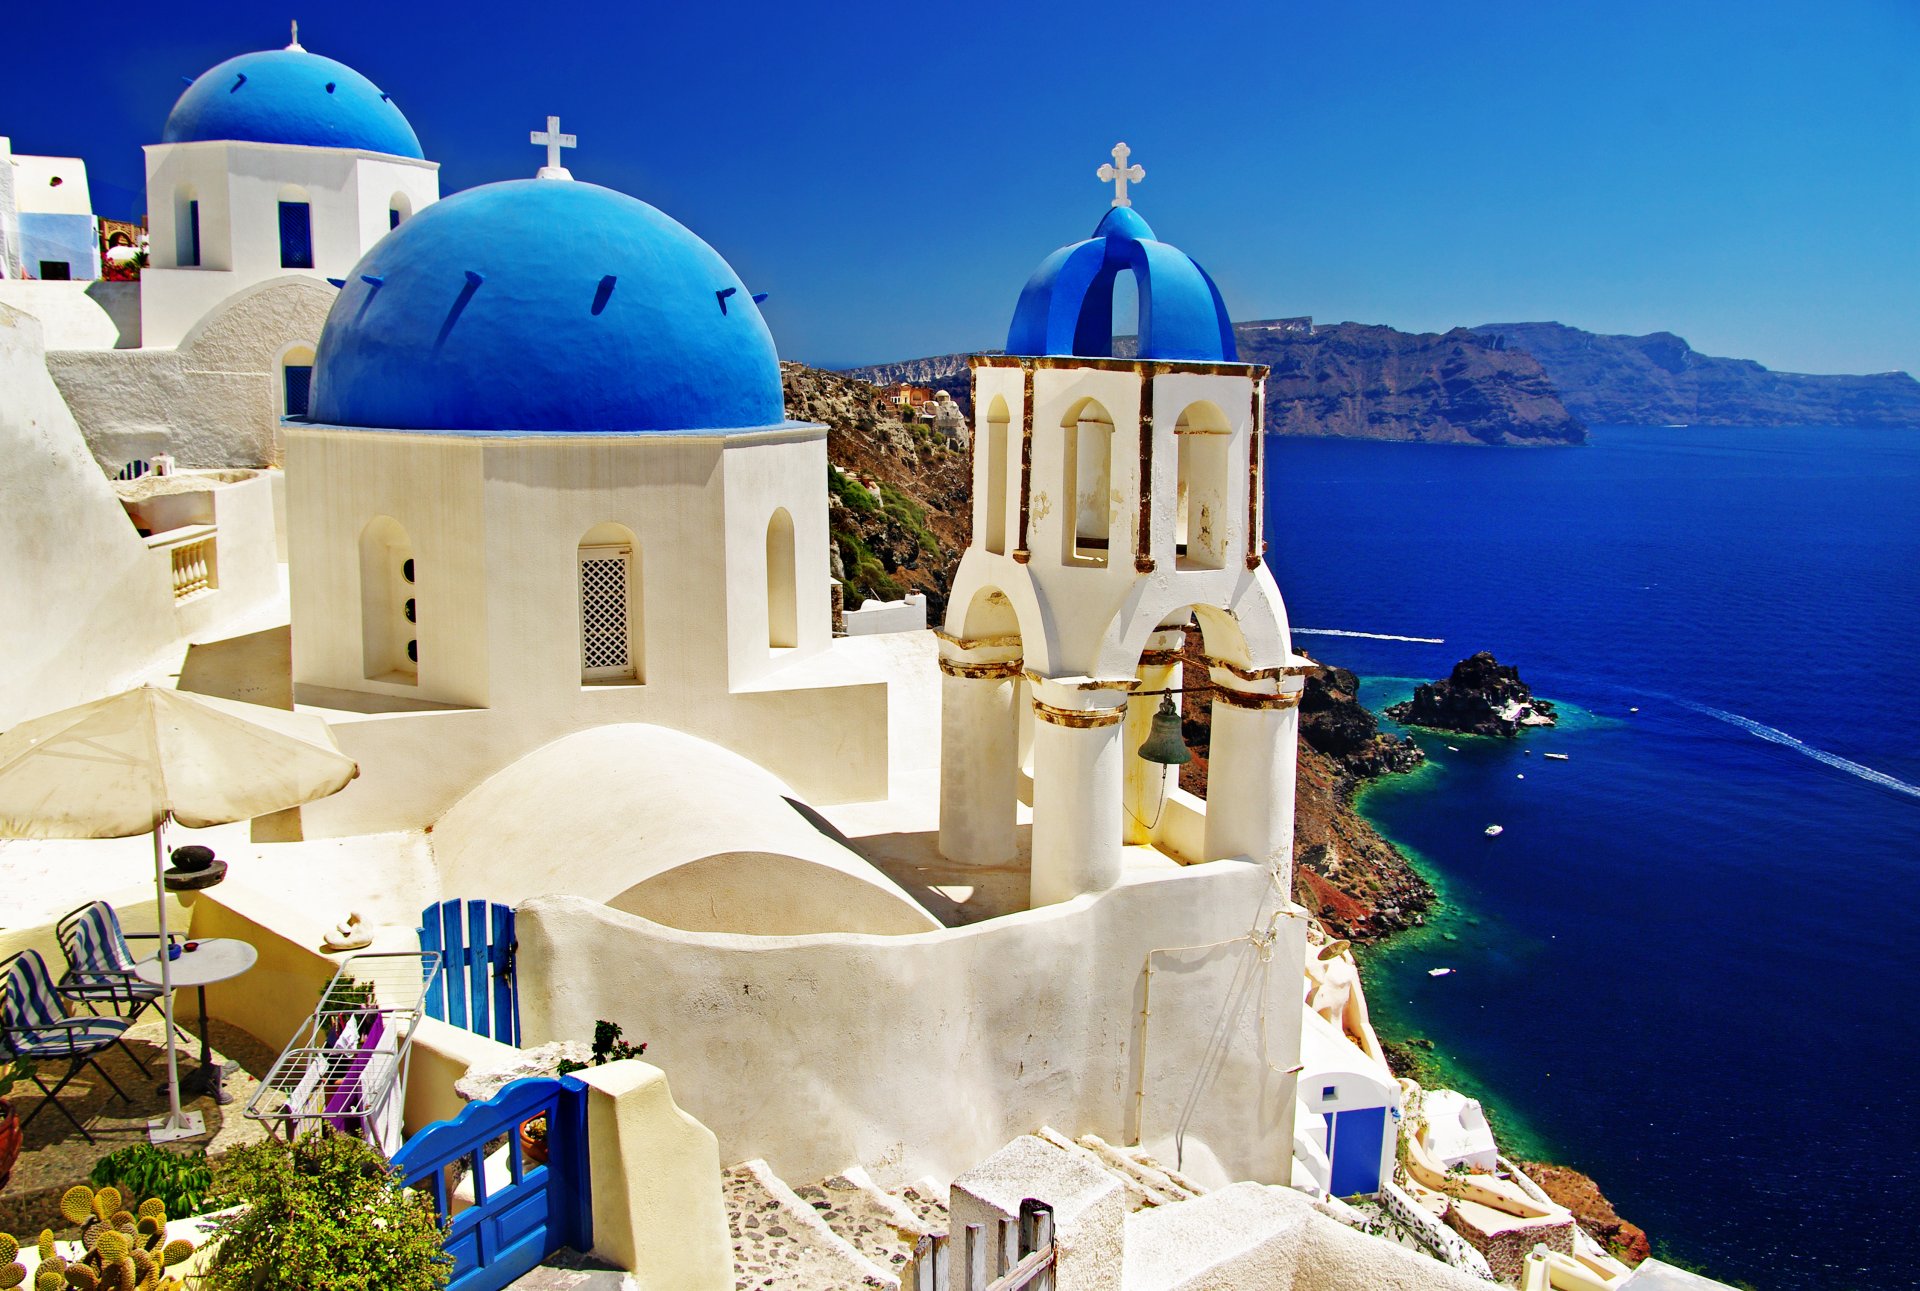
128 764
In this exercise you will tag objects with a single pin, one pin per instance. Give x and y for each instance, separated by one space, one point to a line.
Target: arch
990 616
296 228
612 608
1086 487
389 604
186 226
399 209
783 600
1203 521
294 366
998 446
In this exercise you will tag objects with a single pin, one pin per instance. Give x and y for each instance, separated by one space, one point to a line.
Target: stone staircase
846 1233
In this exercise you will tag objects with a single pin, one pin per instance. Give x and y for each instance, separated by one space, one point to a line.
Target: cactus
126 1250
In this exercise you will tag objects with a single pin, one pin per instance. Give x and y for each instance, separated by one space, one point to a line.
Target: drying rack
347 1065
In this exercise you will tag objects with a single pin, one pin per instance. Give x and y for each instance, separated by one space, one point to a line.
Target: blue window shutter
193 232
296 235
299 381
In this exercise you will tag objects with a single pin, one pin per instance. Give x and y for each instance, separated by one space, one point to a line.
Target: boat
1557 757
1494 831
1633 710
1453 748
1438 972
1520 775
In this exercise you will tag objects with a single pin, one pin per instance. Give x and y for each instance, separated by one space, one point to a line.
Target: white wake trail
1775 736
1371 636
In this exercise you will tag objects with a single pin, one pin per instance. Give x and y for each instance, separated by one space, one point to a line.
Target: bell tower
1116 501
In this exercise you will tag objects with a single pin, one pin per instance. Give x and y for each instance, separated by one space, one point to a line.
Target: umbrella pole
174 1125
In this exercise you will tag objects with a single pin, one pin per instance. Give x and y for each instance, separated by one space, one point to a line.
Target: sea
1689 963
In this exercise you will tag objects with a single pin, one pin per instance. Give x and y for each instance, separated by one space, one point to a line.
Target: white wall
239 187
78 315
923 1054
99 612
36 193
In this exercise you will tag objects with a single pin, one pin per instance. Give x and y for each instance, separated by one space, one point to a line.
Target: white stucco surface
99 611
922 1054
79 315
667 826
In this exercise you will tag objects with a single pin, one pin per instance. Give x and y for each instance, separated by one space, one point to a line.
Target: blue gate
475 987
520 1212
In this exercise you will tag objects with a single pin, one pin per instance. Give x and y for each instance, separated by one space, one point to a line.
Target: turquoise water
1687 963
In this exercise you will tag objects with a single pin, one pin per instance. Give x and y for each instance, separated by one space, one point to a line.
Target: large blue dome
545 305
290 96
1066 308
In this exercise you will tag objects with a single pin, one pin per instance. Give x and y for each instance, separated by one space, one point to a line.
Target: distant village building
52 209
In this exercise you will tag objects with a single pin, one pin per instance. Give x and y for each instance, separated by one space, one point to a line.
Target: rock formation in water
1481 697
1660 380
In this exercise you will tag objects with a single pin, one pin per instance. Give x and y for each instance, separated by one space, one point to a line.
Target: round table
213 960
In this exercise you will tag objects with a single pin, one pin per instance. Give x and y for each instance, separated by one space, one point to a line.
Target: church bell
1163 743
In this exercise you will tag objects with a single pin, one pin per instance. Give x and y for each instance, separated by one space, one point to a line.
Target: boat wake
1834 760
1370 636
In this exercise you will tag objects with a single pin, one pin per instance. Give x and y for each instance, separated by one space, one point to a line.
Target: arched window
783 602
1204 515
612 642
389 605
399 207
999 443
296 380
296 228
186 227
1087 483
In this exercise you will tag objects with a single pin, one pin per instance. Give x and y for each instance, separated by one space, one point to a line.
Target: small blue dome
1066 308
545 305
290 96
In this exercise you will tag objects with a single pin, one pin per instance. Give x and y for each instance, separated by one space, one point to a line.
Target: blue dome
290 96
545 305
1066 308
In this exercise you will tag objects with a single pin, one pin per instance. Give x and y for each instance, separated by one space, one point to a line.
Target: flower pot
11 1136
533 1148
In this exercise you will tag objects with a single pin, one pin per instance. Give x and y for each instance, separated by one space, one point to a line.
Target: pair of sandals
351 935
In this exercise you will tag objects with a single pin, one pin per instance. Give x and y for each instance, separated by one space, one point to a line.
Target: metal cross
1119 174
554 142
295 44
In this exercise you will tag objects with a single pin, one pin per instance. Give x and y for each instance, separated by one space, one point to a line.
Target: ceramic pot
11 1136
533 1150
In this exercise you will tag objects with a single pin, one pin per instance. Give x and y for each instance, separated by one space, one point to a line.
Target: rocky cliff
1658 380
1360 381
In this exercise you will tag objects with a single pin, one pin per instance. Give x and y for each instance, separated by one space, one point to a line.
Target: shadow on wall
254 669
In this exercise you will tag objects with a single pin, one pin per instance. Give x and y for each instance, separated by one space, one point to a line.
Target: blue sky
1744 174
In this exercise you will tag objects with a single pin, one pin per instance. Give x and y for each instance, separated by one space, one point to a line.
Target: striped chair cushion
62 1042
96 944
29 999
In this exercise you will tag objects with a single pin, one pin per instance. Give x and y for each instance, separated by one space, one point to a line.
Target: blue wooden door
1355 1144
520 1212
475 987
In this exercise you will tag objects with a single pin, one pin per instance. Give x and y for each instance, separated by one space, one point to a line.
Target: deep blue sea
1689 966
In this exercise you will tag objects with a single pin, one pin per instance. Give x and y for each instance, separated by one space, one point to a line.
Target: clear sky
1746 174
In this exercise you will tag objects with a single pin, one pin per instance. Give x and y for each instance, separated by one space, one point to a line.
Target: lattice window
605 651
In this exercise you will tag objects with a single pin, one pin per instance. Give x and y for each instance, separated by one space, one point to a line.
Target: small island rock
1481 697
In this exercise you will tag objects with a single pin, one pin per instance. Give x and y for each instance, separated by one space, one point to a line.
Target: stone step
880 1227
781 1242
1163 1183
1139 1196
927 1201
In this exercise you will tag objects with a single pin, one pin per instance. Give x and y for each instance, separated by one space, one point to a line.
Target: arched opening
389 606
296 380
993 516
612 636
296 228
1204 512
1087 484
985 732
399 207
186 227
783 602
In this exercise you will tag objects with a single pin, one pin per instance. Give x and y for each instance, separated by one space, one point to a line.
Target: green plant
348 996
182 1182
323 1213
126 1250
607 1047
12 1074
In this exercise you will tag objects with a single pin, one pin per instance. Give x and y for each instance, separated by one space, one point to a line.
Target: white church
501 485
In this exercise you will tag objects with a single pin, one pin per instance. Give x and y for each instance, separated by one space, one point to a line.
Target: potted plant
11 1135
533 1140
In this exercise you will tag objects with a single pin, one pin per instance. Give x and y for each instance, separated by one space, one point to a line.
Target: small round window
413 652
410 617
406 569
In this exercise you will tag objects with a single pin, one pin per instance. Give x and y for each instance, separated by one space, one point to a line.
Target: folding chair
100 966
34 1026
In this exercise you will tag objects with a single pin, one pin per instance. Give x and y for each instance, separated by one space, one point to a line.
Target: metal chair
34 1026
100 965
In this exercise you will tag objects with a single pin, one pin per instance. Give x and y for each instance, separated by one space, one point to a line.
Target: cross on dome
1119 174
554 142
295 42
